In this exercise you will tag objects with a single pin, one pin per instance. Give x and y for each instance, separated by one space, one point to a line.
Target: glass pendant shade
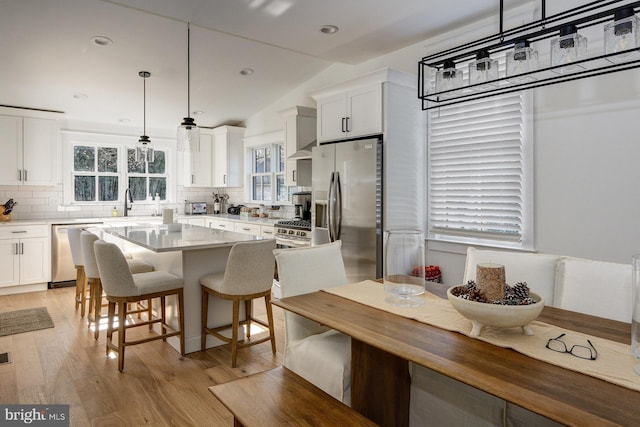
188 135
523 59
621 35
448 78
144 152
483 70
567 49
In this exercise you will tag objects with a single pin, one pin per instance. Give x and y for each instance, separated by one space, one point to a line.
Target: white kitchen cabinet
245 228
349 113
299 133
28 148
200 221
220 224
198 165
228 156
267 231
25 255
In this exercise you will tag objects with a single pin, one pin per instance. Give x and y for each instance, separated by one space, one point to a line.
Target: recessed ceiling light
80 95
101 41
329 29
246 71
124 120
198 113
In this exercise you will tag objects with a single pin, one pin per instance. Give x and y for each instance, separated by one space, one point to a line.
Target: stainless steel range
293 233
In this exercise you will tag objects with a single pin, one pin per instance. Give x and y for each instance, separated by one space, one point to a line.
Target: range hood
304 152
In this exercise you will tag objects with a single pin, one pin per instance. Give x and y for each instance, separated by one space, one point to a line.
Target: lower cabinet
24 255
243 227
267 231
220 224
193 221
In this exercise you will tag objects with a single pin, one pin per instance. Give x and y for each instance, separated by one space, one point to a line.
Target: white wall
586 146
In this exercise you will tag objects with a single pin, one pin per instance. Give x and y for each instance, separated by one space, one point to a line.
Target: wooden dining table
383 344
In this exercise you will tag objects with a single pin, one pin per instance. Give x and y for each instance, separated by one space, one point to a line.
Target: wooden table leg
380 385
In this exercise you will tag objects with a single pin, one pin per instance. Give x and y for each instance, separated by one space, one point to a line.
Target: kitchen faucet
127 198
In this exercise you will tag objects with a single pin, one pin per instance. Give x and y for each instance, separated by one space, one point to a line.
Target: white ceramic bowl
501 316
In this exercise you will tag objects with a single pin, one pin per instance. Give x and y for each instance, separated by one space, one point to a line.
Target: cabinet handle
19 232
222 225
343 124
19 174
16 251
347 127
25 175
21 248
193 178
224 178
246 229
267 232
293 175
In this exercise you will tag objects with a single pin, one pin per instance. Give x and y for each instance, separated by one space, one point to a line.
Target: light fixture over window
188 131
144 152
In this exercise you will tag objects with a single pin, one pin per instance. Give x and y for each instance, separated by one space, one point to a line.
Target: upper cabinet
198 166
299 138
350 113
28 146
228 156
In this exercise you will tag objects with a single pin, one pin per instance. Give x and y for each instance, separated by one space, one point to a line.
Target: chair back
249 268
73 234
87 239
114 272
306 270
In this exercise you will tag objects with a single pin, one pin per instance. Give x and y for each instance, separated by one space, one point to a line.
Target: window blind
478 170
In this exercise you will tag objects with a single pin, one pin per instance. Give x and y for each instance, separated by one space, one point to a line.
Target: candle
490 281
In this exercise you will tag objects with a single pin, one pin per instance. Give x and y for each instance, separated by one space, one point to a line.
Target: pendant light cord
188 69
144 105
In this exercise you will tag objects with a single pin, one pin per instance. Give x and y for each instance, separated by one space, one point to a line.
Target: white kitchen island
190 254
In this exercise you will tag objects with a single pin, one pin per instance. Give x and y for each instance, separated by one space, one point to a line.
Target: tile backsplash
46 202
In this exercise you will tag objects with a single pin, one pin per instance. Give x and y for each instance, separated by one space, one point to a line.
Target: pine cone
521 290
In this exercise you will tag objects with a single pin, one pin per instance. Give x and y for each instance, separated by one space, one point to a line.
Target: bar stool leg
203 322
234 332
267 301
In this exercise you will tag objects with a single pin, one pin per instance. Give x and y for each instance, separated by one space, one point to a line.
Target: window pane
266 188
257 188
84 159
281 189
84 188
107 160
158 164
134 166
138 188
267 159
158 185
258 155
281 158
108 188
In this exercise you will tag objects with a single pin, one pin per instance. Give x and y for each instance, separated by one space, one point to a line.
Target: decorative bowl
501 316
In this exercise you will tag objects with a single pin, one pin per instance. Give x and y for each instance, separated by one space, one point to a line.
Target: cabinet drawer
220 224
241 227
23 232
267 231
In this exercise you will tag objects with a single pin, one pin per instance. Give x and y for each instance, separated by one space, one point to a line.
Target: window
481 172
95 173
147 179
267 174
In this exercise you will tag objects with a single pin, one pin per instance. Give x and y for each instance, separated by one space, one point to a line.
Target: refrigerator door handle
330 217
338 207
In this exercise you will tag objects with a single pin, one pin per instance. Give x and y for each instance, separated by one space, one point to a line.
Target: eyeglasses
581 351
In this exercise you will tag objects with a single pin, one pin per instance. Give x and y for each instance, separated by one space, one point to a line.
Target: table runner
613 364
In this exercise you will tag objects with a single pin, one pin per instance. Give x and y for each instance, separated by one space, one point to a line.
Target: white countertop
123 220
157 238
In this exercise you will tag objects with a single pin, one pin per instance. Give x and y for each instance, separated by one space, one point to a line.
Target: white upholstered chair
248 275
122 288
73 234
92 280
320 355
594 287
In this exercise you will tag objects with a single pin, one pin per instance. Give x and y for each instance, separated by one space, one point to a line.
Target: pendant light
144 152
188 131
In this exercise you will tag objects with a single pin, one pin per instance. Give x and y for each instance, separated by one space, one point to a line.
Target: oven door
291 242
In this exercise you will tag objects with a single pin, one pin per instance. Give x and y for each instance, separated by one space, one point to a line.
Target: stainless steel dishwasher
62 267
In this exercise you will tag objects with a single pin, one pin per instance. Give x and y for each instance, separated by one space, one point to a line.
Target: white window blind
480 172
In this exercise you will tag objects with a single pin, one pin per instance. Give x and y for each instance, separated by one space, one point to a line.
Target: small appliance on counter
195 208
302 205
234 210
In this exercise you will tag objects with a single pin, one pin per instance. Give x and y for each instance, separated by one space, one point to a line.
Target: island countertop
158 238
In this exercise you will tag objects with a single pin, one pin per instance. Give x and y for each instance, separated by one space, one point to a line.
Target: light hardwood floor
65 365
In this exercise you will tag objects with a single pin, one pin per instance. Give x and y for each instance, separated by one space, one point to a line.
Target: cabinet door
242 227
220 161
364 108
331 112
33 254
290 147
39 151
10 150
198 165
267 231
221 224
9 263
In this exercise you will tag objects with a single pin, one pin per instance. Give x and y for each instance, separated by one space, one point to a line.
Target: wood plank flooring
65 365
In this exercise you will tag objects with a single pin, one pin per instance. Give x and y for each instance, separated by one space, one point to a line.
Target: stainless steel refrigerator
347 202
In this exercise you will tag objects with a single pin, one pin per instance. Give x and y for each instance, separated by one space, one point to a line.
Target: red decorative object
431 272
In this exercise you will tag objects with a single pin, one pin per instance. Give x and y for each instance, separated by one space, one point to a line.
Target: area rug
19 321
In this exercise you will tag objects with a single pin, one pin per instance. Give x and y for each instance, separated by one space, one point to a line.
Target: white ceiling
47 54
